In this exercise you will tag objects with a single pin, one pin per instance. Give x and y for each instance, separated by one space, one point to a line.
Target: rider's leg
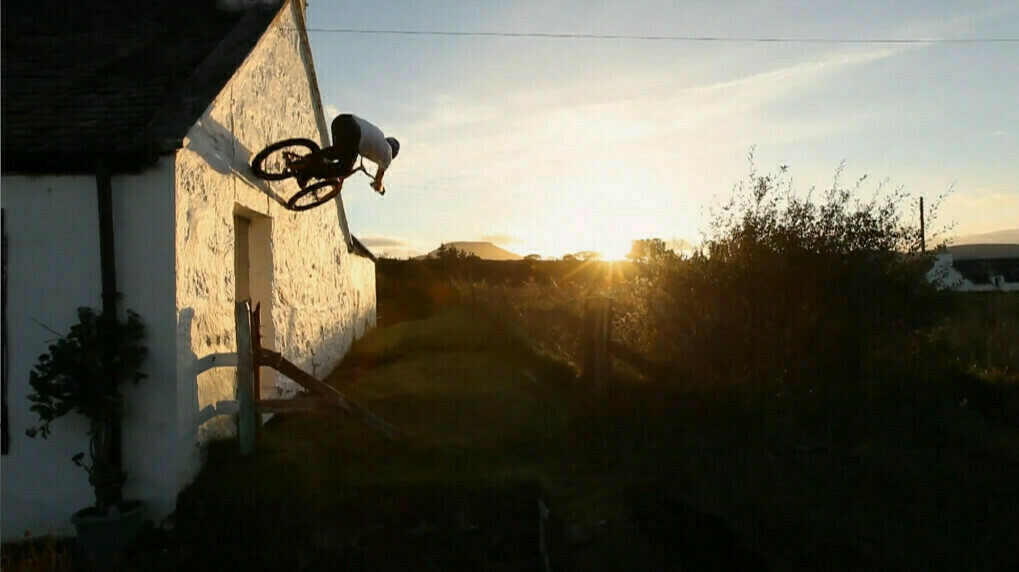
336 161
346 143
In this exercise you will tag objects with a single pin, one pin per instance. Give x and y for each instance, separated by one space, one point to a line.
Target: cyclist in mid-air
353 136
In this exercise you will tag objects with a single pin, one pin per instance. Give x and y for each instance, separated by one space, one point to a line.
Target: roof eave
362 250
50 163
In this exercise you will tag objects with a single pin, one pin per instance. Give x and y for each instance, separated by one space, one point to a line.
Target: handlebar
361 168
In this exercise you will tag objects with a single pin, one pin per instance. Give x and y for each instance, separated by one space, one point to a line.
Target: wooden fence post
245 379
598 361
256 367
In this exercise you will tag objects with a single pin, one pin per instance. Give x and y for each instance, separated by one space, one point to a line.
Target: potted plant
83 372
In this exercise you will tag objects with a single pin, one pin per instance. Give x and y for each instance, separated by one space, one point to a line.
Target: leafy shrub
791 295
82 372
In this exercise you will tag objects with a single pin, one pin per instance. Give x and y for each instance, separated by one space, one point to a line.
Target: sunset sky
550 145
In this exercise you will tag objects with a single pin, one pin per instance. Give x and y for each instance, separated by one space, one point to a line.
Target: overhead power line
670 38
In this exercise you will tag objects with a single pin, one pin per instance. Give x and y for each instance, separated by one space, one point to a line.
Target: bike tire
293 205
258 162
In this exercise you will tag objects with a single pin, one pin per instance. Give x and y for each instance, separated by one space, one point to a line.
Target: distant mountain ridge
483 250
984 251
1007 236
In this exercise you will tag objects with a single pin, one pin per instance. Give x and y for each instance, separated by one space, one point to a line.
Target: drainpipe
108 270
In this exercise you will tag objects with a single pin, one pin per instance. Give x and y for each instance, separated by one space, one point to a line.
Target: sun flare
614 252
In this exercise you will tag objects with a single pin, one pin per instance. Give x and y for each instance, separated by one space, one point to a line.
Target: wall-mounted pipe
108 272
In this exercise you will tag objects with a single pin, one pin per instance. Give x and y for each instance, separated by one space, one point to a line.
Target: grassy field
476 406
892 484
914 485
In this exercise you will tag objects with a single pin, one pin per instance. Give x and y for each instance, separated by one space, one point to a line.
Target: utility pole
923 240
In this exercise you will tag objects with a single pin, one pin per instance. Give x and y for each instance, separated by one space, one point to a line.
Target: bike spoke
284 161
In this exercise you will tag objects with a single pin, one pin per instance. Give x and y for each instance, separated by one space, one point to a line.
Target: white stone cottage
149 111
977 268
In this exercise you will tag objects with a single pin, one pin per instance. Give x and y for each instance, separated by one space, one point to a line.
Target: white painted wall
53 267
322 295
175 265
53 249
943 276
157 453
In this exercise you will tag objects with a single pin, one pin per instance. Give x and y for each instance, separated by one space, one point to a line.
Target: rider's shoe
302 180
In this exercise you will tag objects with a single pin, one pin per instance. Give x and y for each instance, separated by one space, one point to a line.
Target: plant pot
104 538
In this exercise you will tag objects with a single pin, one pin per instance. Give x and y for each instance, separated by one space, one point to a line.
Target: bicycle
270 167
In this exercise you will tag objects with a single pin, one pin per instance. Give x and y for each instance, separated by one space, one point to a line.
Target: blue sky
559 145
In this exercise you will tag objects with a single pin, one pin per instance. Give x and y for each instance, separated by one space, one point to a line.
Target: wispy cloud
959 25
474 142
384 241
613 141
390 246
502 124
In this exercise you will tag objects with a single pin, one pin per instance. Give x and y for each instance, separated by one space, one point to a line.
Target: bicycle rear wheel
314 195
270 164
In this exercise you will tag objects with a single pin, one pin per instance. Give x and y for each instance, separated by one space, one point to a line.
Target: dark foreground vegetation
815 405
805 344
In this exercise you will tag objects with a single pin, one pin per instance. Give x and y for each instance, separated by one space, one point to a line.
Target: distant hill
1008 236
984 251
483 250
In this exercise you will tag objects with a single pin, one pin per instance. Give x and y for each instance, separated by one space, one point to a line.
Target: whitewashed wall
323 296
943 276
175 265
157 451
53 267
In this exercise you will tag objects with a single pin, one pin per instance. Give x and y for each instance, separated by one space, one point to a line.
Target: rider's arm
377 185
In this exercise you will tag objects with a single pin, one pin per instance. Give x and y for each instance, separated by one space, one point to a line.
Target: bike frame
301 165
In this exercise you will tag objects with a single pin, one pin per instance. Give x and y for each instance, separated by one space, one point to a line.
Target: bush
788 295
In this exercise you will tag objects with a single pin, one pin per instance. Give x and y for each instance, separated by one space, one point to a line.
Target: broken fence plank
256 348
294 405
322 389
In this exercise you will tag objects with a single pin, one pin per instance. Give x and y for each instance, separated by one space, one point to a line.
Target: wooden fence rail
328 396
249 406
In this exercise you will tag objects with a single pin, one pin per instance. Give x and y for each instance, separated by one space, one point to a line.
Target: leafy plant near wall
83 372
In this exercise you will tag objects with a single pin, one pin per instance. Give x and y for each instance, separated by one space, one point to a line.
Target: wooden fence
249 406
579 329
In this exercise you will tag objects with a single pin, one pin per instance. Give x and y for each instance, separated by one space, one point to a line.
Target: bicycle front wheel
314 195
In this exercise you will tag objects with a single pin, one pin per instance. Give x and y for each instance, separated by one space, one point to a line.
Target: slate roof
120 78
979 262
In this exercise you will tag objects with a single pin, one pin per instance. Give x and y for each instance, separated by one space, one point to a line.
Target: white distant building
977 268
